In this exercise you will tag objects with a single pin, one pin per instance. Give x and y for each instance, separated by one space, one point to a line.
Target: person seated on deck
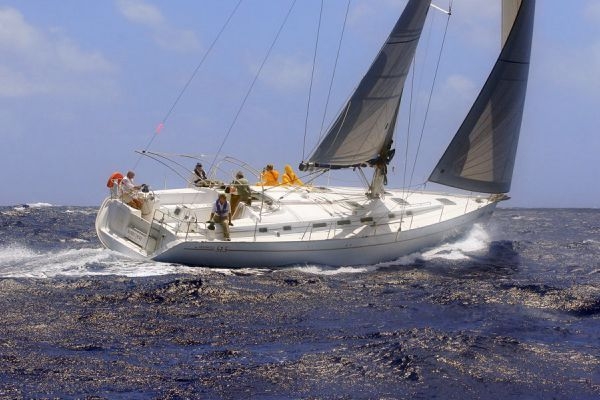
199 178
240 192
221 213
290 178
130 190
269 176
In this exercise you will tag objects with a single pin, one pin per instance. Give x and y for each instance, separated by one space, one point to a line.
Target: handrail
172 222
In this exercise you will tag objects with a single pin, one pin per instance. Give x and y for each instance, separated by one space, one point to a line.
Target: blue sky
84 84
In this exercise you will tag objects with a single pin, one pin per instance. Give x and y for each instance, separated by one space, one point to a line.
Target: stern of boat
122 228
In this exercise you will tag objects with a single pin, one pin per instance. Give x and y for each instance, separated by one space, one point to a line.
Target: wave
17 261
40 205
324 270
475 241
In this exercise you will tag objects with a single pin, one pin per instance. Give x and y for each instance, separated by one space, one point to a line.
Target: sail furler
482 154
365 126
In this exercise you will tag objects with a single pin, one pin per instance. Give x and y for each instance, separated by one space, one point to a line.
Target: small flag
159 127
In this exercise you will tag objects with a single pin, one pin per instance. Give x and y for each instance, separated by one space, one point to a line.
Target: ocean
510 311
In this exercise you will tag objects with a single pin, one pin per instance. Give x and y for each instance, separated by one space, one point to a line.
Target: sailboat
346 226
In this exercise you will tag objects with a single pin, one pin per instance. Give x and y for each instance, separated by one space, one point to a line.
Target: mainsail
365 127
482 154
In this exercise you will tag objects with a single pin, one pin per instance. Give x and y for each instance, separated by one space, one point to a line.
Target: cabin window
262 230
287 228
319 225
344 222
366 219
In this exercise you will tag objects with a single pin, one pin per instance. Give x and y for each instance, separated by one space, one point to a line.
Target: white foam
39 205
235 271
476 240
84 212
410 259
21 262
320 270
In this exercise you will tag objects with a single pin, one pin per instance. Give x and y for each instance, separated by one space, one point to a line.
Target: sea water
512 310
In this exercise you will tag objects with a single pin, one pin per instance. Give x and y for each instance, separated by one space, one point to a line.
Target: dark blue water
510 311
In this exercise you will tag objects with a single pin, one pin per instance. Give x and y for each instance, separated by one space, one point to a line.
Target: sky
83 85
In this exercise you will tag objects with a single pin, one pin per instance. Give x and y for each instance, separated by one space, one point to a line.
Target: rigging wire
411 102
189 81
437 67
312 75
157 158
410 105
252 84
337 56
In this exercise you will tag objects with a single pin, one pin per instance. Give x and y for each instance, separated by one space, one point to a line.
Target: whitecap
39 205
17 261
476 240
324 270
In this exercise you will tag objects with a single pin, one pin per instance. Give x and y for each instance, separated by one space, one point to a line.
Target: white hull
304 226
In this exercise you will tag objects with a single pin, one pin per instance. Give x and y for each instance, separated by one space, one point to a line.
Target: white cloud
141 13
38 62
15 34
164 35
285 73
459 86
477 21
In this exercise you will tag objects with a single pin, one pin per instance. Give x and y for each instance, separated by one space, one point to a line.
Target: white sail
365 126
510 8
481 156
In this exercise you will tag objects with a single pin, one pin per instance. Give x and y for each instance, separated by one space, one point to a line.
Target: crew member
269 176
290 178
221 213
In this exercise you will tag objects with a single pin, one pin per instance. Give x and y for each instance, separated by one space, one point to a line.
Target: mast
362 133
481 156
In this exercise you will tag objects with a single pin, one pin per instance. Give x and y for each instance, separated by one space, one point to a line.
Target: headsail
482 154
365 126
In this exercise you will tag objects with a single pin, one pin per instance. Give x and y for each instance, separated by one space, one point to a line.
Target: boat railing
184 221
185 224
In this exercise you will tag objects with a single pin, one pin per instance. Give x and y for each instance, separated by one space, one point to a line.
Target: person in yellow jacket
290 177
269 176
